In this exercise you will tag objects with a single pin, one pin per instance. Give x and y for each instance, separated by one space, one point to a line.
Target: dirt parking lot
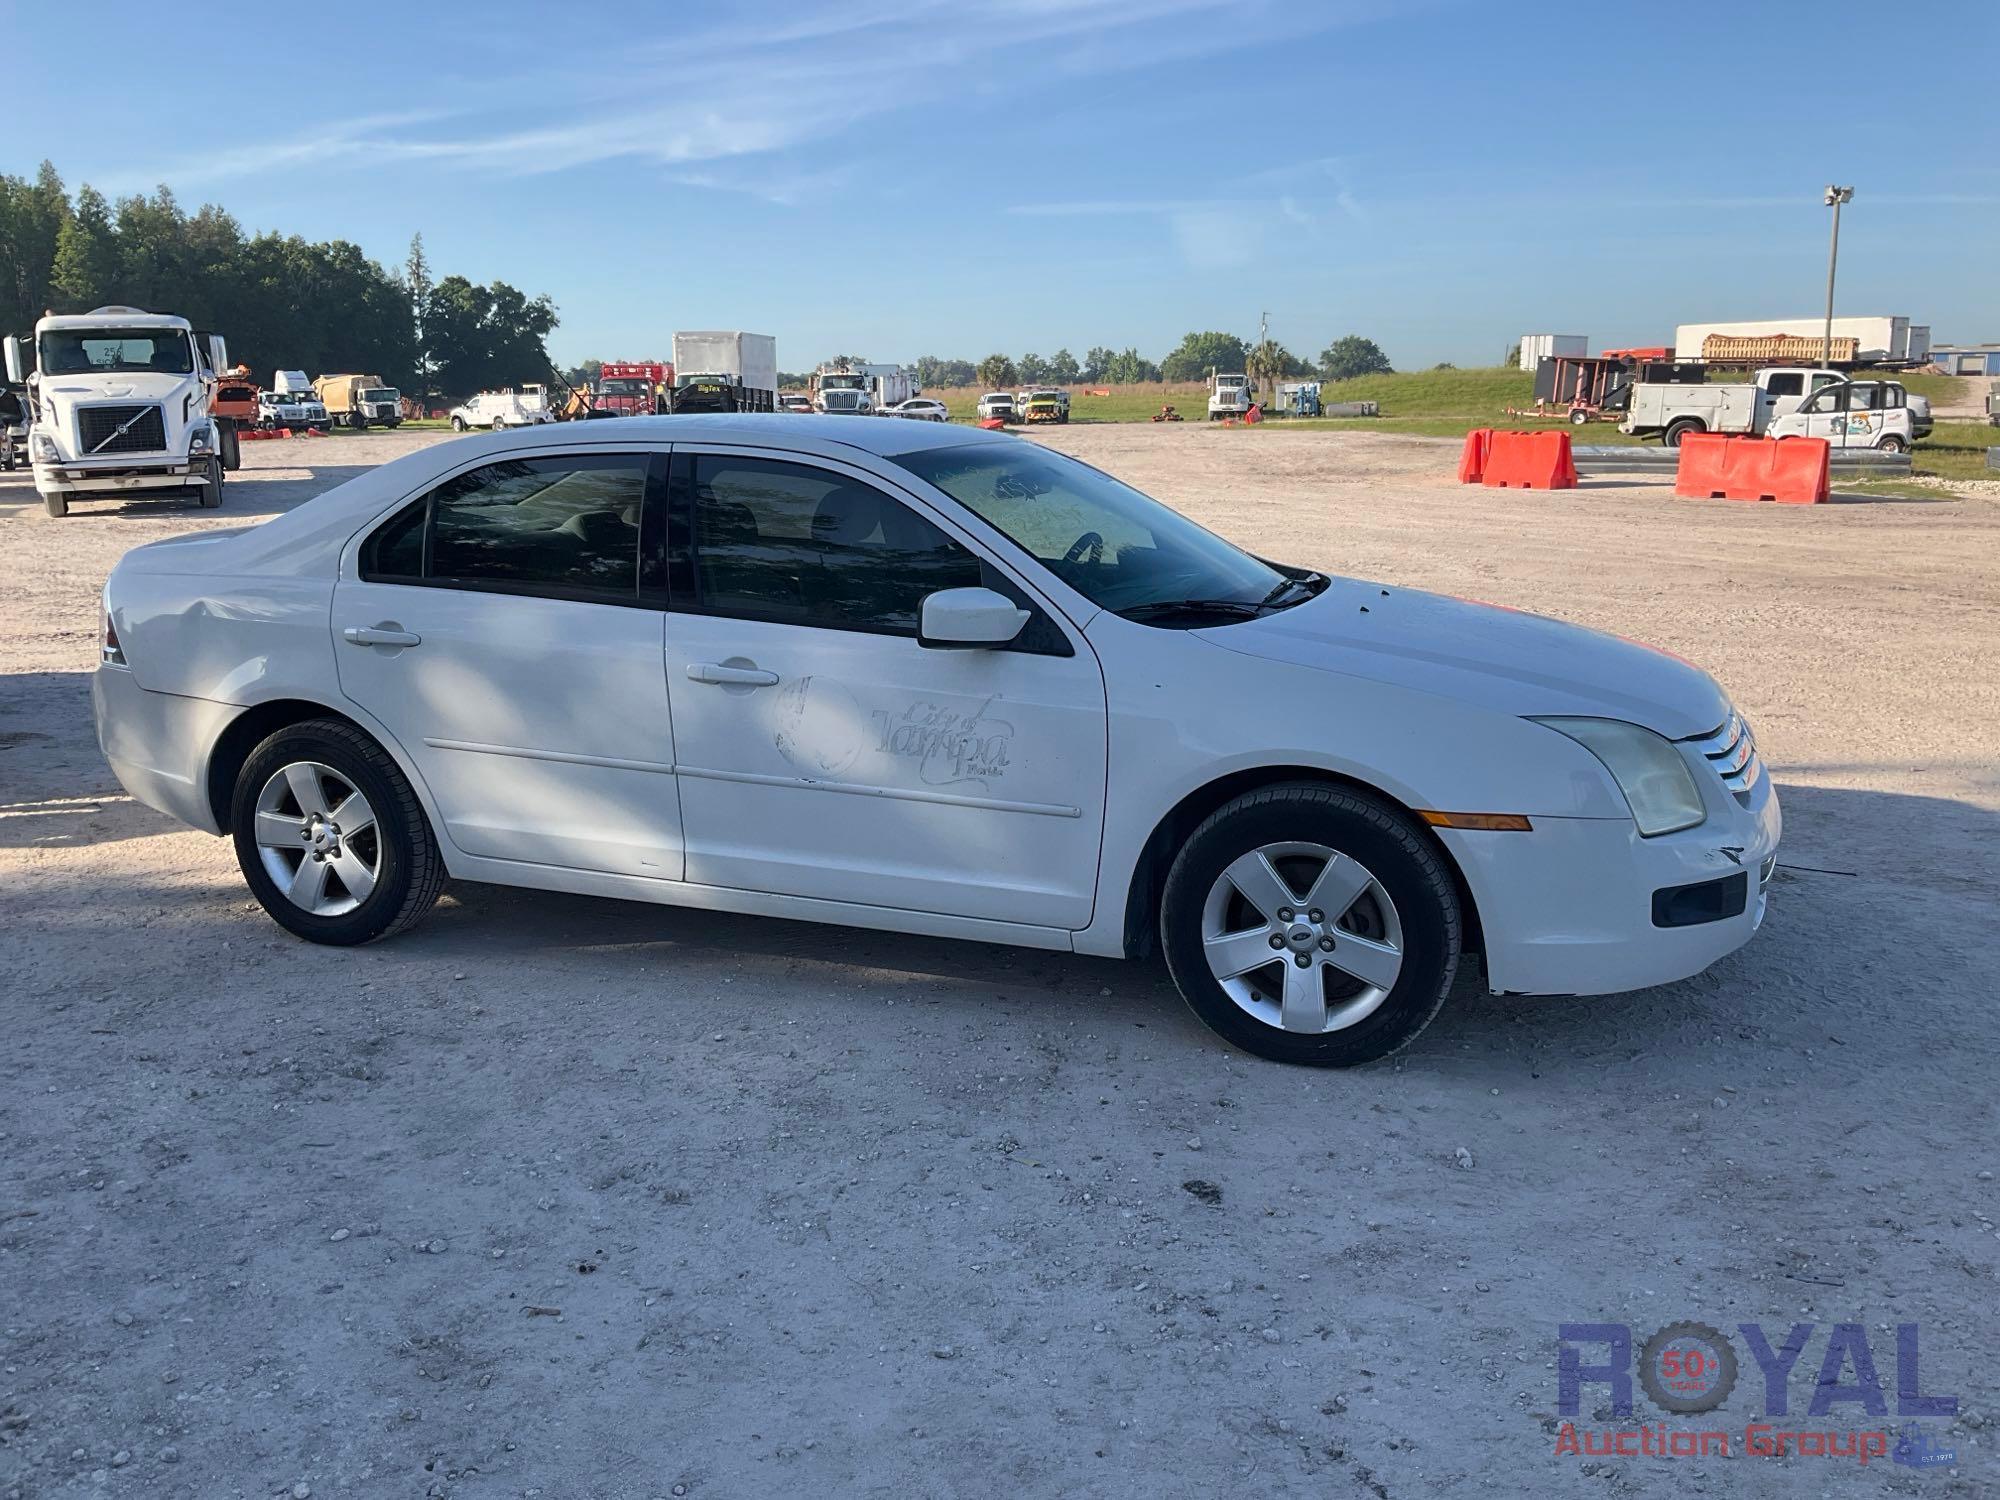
574 1198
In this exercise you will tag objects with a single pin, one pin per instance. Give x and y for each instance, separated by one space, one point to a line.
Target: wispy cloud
739 90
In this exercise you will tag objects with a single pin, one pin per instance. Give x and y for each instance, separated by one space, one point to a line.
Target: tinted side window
787 542
565 525
1787 385
395 553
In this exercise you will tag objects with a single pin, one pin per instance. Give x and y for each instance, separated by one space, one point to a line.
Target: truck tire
458 424
1680 428
230 444
360 422
56 503
211 492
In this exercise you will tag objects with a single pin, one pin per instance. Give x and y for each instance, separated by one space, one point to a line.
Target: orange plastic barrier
257 434
993 424
1529 461
1698 473
1792 470
1472 462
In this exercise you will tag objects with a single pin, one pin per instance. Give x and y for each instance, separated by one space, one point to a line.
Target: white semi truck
120 404
1228 395
725 371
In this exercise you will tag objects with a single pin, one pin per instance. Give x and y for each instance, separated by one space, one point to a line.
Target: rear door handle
716 672
379 635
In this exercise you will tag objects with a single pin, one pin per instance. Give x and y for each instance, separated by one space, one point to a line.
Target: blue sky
953 178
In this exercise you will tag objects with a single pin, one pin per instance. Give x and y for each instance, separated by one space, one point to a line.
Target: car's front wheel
331 838
1311 924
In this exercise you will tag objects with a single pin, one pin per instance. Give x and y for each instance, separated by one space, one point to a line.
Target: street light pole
1835 196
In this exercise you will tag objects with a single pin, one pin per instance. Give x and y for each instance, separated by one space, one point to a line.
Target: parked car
921 408
998 404
1854 414
794 401
933 681
294 409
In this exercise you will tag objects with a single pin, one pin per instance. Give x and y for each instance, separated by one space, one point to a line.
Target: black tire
1410 870
1578 417
57 505
1680 429
412 872
230 443
1891 443
211 492
458 424
360 422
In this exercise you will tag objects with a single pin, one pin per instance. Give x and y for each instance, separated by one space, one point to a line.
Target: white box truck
1877 341
120 403
725 371
1536 347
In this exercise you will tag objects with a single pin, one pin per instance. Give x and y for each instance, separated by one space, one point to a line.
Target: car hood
1499 658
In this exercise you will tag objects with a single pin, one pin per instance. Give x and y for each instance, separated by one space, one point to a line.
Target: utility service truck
499 410
725 371
119 403
360 401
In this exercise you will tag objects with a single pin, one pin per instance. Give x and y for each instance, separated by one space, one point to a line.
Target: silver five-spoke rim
1302 937
317 837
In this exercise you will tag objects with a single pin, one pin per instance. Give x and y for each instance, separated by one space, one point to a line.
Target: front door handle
718 672
385 634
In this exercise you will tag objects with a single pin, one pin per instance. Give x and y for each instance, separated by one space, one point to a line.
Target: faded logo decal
950 748
820 729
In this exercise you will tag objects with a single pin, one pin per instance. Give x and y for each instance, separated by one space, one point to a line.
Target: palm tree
1267 362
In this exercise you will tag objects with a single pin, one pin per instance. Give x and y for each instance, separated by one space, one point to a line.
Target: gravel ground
586 1199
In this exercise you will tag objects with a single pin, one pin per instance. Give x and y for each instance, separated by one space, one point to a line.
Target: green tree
1346 358
996 372
1097 364
1033 370
418 283
1269 362
1128 368
1063 368
86 263
1199 353
31 219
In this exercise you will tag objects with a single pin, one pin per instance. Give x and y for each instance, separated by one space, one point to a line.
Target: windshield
1118 548
622 387
86 351
842 382
380 393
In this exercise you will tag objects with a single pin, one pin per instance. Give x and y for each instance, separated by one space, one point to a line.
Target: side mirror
969 618
15 364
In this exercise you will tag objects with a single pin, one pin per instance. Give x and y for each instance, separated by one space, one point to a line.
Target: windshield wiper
1312 583
1235 608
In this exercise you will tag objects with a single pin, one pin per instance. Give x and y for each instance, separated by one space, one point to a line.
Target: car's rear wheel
1892 443
1311 924
331 838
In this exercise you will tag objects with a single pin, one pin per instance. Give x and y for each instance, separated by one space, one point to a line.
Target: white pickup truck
1672 411
120 403
527 407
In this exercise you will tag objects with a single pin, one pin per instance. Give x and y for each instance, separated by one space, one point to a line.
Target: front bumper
1568 909
105 478
158 743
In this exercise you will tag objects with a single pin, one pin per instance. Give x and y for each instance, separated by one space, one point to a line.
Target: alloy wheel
1302 937
317 838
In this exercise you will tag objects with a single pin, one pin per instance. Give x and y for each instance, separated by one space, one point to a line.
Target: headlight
1648 769
44 449
198 440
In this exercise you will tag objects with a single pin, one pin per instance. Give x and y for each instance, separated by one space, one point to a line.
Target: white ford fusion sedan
895 675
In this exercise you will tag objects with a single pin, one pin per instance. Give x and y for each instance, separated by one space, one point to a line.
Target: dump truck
725 371
1867 341
360 401
119 402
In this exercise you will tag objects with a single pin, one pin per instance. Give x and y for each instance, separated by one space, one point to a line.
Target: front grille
1733 752
96 424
